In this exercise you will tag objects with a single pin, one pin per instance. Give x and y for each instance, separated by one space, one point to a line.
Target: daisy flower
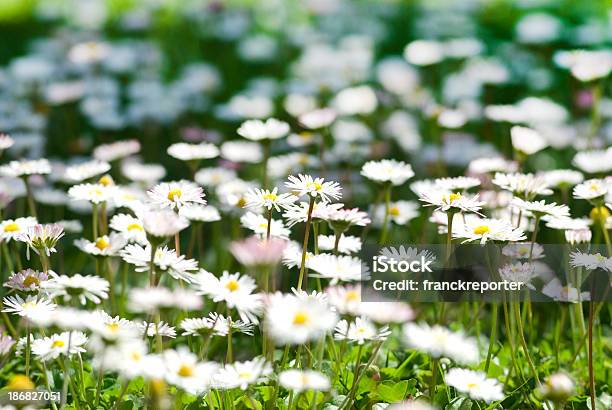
321 211
524 186
314 187
336 268
360 331
523 250
590 261
165 260
562 177
484 230
5 142
342 219
12 228
27 280
183 370
576 236
594 162
264 198
144 174
215 323
347 244
214 176
568 223
242 151
25 167
259 225
84 288
102 246
193 152
258 253
488 165
593 190
111 328
303 380
556 291
243 374
317 119
235 290
94 193
85 170
527 140
451 202
130 227
200 213
257 130
387 171
541 208
475 384
116 150
294 320
154 329
176 194
66 343
558 387
518 272
162 224
457 183
400 212
387 312
346 300
439 341
42 238
31 308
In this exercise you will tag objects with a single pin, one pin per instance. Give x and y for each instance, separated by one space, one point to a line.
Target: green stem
305 243
517 313
493 336
385 227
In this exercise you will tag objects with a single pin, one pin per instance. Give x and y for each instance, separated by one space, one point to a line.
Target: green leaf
249 403
393 392
459 403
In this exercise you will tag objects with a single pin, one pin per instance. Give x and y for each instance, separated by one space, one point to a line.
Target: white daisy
294 320
24 168
518 272
525 186
12 228
451 202
347 244
563 177
165 260
214 176
303 380
257 130
193 152
94 193
321 211
259 225
336 268
400 212
162 224
590 261
527 140
200 213
555 290
176 194
541 208
387 171
130 227
594 162
460 183
314 187
116 150
41 238
360 331
102 246
234 289
85 170
162 329
243 374
183 370
66 343
484 230
242 151
264 198
439 341
84 288
31 308
317 119
523 250
592 190
475 384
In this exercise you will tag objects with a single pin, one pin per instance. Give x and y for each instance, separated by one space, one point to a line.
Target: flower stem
152 266
385 227
305 243
269 224
493 336
31 203
517 313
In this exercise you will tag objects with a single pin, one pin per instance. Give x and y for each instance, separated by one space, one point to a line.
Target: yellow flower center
454 197
394 211
300 318
361 330
317 186
270 197
31 280
232 285
58 343
599 213
113 327
11 227
174 194
471 385
136 356
241 203
28 305
106 180
245 375
352 296
102 243
481 230
594 187
185 370
132 227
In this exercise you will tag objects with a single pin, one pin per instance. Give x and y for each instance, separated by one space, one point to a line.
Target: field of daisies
187 188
